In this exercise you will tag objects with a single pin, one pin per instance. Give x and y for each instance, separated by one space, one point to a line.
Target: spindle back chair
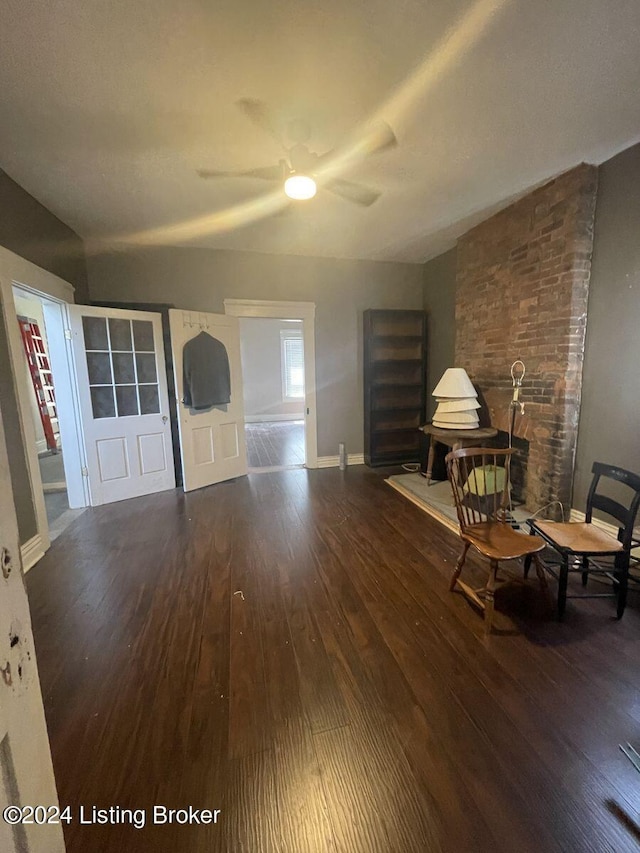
479 478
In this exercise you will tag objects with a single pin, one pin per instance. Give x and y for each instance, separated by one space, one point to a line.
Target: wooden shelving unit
395 372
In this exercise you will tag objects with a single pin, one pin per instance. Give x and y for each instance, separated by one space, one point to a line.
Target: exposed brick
521 292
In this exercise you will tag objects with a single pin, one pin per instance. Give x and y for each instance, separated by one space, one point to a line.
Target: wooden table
454 438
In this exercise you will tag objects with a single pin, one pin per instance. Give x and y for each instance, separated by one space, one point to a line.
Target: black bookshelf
395 372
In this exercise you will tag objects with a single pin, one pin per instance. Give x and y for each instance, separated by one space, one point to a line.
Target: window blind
292 366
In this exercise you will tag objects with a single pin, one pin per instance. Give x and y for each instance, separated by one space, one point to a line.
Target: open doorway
273 372
305 312
39 333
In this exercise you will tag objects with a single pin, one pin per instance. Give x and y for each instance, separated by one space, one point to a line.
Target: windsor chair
479 478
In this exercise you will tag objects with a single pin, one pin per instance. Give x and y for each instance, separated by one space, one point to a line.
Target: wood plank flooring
279 444
284 648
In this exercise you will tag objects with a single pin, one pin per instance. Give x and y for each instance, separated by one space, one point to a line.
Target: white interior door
26 773
212 441
124 404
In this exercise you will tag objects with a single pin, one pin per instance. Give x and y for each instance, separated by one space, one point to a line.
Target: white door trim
15 270
31 552
305 311
31 277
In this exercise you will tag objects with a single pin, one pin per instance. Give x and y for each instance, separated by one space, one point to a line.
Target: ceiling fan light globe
300 187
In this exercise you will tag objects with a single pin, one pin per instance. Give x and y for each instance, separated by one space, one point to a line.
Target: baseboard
334 461
267 419
54 487
31 552
576 515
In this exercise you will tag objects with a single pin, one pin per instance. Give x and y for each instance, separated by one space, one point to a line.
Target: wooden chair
479 479
588 549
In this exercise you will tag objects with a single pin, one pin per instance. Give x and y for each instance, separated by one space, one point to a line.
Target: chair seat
578 537
499 541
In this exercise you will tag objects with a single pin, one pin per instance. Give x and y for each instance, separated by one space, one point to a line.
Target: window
121 363
292 351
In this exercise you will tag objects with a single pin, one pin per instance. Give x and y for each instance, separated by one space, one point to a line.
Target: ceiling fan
299 171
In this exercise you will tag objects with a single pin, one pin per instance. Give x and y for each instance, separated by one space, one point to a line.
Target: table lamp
457 401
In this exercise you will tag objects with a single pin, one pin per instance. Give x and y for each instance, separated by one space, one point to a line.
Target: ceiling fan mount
301 159
298 172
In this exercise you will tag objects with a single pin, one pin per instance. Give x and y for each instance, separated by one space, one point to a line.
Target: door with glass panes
124 405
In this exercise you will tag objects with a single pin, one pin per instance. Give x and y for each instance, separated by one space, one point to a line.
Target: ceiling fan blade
261 115
356 193
287 210
214 173
380 138
265 173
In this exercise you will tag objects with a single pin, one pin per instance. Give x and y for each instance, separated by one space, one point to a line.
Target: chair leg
585 570
623 578
540 572
458 568
489 598
527 559
562 587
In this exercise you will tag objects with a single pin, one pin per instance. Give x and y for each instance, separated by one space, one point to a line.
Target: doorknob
164 419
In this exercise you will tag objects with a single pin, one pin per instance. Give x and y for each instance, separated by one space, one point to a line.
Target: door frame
18 272
305 311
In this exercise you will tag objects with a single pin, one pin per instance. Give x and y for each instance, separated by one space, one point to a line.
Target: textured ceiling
108 108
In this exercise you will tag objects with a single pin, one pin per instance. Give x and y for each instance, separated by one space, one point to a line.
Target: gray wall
439 279
261 351
31 231
200 279
608 427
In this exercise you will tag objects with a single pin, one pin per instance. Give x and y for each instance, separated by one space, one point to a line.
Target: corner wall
31 231
608 429
439 289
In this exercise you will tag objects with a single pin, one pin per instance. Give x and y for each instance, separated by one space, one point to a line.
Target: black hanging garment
206 376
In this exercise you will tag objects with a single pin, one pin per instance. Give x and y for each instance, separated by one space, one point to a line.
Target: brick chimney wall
522 283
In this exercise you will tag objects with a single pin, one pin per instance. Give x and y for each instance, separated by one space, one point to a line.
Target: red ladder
41 377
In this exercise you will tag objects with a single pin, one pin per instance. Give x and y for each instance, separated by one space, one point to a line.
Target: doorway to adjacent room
40 334
274 392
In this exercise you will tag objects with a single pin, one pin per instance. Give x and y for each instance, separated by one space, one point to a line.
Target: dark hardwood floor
275 444
284 648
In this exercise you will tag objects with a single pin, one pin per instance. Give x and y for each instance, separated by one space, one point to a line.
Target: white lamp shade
462 404
444 425
468 418
455 383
